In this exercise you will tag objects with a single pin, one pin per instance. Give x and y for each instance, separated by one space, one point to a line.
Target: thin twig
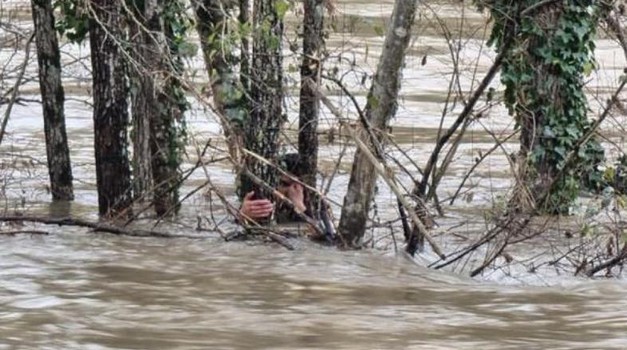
385 173
18 81
431 163
479 161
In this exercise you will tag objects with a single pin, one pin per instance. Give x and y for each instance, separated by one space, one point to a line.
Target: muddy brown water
77 291
74 289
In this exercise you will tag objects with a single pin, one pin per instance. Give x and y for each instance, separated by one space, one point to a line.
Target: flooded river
75 289
78 291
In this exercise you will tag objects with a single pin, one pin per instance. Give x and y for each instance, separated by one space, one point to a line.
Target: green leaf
281 7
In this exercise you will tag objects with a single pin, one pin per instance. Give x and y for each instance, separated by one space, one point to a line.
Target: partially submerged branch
466 112
618 259
96 226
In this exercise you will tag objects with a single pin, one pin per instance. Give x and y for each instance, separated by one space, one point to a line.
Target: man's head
290 163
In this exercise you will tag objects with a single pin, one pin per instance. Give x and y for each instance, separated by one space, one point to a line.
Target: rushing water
79 291
74 289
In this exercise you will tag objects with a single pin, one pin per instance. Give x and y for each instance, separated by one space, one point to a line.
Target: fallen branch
96 226
492 258
609 263
273 236
28 232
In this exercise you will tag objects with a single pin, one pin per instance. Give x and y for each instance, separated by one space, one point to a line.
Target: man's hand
296 193
255 208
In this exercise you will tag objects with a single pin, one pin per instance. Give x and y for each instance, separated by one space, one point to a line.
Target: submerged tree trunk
544 78
110 94
168 102
381 107
218 47
313 44
266 92
53 98
140 113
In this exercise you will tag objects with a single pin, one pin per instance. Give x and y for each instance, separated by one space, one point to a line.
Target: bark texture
244 19
140 115
313 45
221 62
166 108
381 107
266 114
111 118
53 98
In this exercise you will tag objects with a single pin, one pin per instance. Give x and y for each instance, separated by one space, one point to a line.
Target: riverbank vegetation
270 76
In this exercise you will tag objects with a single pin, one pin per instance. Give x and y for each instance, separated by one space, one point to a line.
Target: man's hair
291 163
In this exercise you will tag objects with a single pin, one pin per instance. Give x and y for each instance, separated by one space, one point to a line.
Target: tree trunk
244 20
266 114
221 62
110 94
544 78
141 85
53 97
313 44
381 107
167 103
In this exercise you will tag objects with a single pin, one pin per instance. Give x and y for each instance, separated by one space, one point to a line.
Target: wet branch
24 232
609 263
385 172
493 257
468 109
613 24
16 86
96 226
479 160
525 219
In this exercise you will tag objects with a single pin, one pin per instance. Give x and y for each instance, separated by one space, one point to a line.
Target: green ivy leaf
281 7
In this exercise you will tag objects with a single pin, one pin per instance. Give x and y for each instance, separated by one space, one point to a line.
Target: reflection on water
74 290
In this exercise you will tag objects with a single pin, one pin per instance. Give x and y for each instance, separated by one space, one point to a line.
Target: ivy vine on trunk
543 74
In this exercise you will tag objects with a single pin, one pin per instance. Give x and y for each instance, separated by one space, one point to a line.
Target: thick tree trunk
110 94
165 155
166 106
220 60
313 44
535 180
53 98
544 76
141 85
381 107
266 115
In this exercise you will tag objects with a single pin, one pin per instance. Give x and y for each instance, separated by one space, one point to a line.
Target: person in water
262 208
